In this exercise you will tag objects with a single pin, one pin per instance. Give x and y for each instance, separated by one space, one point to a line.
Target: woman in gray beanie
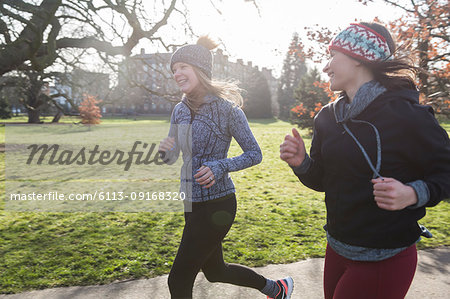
211 110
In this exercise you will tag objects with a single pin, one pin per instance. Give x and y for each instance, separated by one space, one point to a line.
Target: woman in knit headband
209 112
380 157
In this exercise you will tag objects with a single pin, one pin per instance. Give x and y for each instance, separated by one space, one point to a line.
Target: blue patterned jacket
204 139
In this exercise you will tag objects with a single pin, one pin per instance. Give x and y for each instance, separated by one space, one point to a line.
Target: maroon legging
387 279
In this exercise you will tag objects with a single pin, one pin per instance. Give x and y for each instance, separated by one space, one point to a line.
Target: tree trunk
33 116
423 63
57 117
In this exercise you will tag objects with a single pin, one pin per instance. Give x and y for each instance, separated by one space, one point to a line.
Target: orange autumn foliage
299 110
89 111
421 33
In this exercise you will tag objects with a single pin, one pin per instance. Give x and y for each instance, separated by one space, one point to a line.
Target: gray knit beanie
198 55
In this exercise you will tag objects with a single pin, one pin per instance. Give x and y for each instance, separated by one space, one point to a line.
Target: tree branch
399 6
444 37
167 47
163 21
21 5
30 39
440 57
256 5
43 61
4 31
107 47
14 16
91 42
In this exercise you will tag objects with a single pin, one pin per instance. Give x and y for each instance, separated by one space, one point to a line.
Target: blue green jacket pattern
205 140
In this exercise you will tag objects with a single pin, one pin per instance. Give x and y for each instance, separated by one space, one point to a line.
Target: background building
145 84
76 84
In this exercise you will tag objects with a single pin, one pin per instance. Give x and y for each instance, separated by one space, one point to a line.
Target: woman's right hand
167 144
293 150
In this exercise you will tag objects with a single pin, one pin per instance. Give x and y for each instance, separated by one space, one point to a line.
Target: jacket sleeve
310 172
240 130
172 155
429 148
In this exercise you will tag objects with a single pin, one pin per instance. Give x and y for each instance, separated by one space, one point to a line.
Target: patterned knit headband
361 42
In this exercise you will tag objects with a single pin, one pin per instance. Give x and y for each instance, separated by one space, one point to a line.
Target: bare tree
33 35
424 31
37 35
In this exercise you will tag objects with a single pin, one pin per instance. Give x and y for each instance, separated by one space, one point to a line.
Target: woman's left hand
205 177
393 195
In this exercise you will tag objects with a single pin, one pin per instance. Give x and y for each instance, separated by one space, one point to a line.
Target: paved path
432 280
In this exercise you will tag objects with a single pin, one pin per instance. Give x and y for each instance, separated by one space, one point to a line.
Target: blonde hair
227 90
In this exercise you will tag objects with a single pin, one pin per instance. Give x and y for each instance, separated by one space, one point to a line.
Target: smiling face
185 77
342 70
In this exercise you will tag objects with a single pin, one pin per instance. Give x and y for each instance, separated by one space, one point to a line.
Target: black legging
201 248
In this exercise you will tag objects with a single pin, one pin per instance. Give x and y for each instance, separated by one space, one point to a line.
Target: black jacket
413 147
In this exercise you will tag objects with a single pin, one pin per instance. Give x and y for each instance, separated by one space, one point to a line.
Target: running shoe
286 287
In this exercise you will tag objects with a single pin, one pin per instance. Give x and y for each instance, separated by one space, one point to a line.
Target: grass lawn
278 221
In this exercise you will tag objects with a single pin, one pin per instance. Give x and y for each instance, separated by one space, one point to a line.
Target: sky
262 35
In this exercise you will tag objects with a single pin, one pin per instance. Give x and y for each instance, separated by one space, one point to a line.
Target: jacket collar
209 98
366 94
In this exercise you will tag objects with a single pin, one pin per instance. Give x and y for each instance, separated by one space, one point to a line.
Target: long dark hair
393 73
